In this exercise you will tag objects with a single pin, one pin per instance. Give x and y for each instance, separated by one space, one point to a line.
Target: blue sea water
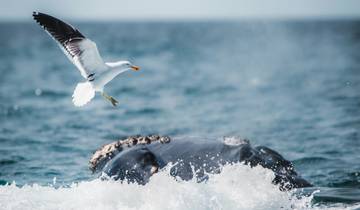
293 86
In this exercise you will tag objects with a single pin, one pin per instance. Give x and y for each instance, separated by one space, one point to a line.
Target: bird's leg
109 98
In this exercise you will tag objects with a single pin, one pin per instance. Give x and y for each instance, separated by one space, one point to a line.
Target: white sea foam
237 187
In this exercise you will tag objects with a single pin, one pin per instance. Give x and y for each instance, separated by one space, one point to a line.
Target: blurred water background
291 85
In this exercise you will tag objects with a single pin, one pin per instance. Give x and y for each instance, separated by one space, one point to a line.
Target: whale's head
132 165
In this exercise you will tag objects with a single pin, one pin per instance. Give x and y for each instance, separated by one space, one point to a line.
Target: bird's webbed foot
112 100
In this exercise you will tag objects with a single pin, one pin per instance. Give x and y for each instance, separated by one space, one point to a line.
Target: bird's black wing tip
36 14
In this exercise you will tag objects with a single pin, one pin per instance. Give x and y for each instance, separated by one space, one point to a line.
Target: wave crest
237 187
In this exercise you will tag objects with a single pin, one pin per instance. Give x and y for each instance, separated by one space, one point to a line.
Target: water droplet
54 180
38 91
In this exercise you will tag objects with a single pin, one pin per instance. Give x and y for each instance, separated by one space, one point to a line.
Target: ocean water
293 86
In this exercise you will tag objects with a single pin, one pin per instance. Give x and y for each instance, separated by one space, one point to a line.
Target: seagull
83 53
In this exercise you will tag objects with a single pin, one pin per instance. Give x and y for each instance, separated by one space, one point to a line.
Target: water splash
237 187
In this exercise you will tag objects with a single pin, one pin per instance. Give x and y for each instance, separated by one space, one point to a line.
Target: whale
137 158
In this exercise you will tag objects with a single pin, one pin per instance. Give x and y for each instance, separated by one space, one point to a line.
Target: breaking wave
237 187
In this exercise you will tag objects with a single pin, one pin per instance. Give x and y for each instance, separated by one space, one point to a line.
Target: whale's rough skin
138 157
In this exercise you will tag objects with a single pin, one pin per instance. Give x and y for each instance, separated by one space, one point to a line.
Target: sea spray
236 187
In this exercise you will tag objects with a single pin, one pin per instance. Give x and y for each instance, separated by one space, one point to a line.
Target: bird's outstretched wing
81 51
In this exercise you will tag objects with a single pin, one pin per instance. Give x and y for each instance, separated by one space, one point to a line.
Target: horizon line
201 19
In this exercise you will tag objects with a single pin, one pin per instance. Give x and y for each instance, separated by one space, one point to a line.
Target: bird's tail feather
83 93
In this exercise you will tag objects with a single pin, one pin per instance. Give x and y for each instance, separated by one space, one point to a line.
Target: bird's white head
125 65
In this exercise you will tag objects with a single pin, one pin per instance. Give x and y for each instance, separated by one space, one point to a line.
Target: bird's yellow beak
135 68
